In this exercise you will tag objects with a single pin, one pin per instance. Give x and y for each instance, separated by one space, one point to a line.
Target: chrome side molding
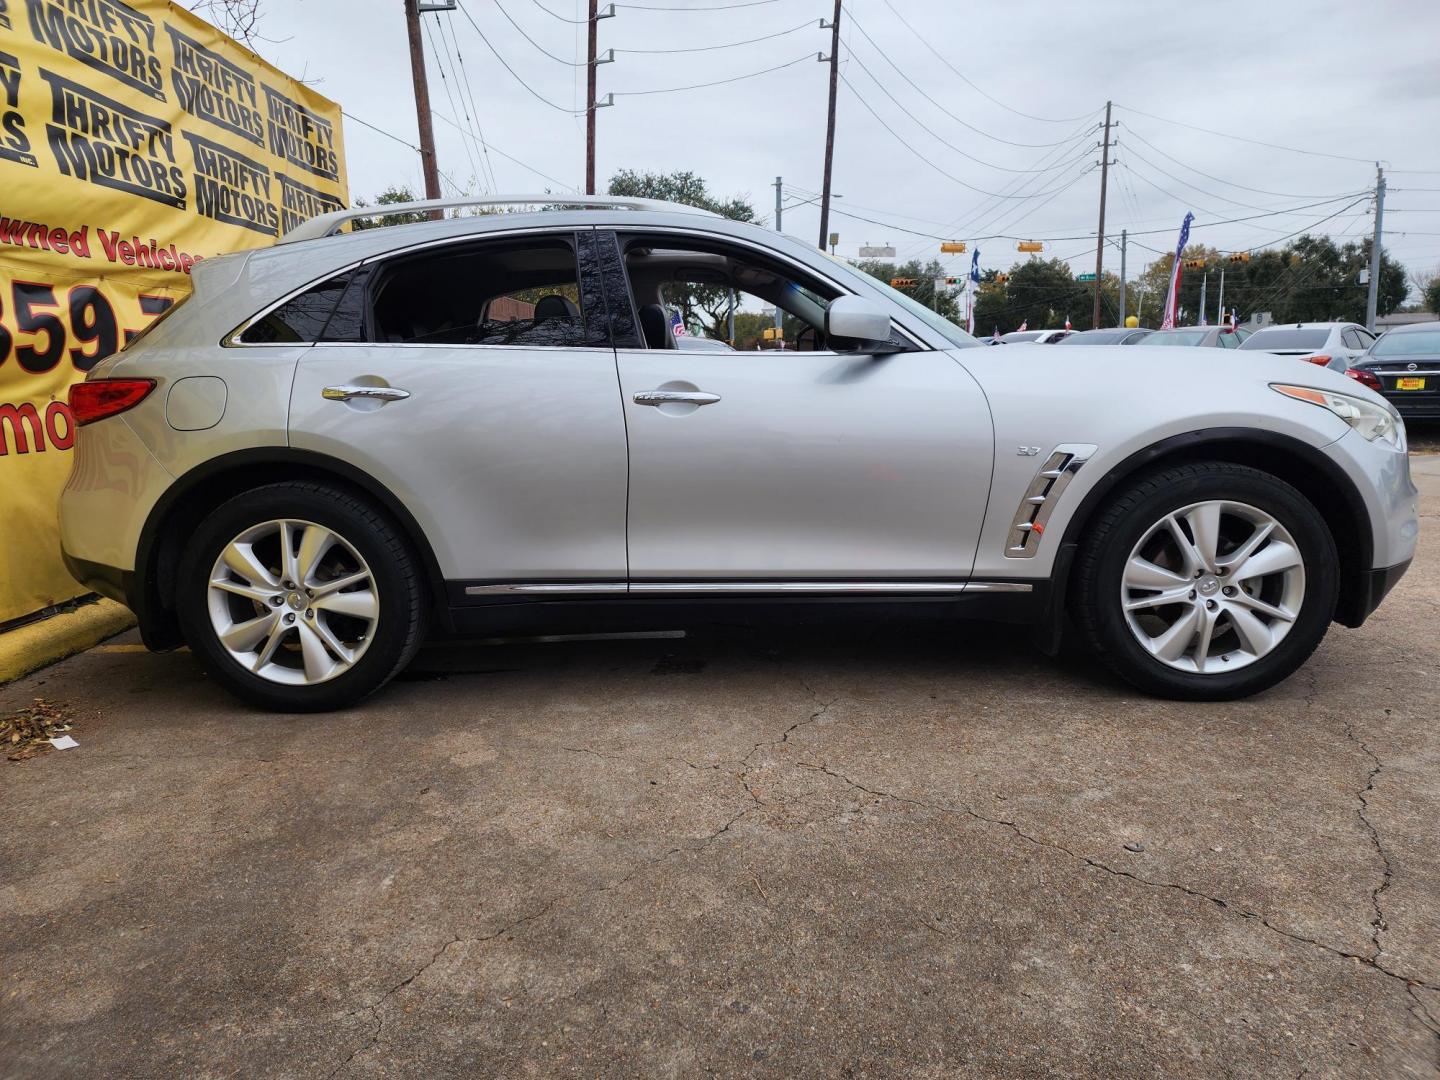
750 588
1033 514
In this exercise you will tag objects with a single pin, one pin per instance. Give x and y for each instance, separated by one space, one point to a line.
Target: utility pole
1373 298
1204 284
830 125
779 210
423 120
1124 239
1100 238
593 22
1220 307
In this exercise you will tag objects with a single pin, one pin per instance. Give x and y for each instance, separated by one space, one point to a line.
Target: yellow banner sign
135 140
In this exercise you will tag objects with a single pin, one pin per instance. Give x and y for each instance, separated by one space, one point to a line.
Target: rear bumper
1415 406
157 630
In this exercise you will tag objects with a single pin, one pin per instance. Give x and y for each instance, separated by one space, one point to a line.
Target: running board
747 588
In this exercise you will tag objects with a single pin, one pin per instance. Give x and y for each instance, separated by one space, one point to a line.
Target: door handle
376 393
681 397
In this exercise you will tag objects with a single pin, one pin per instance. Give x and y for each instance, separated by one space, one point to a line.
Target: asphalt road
875 849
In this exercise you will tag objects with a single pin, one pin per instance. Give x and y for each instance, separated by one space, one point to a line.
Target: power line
449 96
502 153
532 41
1218 180
557 15
808 23
513 74
935 135
901 140
446 28
697 11
1242 138
717 82
926 42
901 72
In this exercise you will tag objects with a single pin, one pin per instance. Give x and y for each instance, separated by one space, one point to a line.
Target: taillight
91 401
1365 378
1318 361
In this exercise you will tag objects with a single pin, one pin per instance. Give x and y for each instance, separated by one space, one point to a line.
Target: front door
784 465
478 384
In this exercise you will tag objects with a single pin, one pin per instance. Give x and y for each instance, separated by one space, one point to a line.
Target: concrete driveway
878 849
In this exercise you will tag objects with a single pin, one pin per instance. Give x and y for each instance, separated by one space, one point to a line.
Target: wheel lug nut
310 613
289 618
1192 594
1211 604
277 601
1199 573
288 584
1229 590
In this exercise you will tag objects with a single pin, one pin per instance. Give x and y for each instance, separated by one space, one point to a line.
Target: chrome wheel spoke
1204 522
1254 603
359 605
1271 559
243 637
325 588
1255 636
1203 636
315 544
241 559
266 652
1193 559
229 585
287 554
319 665
1172 643
1245 550
1141 573
1177 595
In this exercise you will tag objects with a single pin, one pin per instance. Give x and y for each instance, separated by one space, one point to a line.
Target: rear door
793 465
476 380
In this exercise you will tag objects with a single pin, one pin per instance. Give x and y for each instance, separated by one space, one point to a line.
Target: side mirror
864 324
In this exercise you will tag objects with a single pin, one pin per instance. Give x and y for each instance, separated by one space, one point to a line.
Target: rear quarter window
302 318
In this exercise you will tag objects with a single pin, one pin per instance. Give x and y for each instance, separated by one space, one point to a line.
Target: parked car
1120 335
345 443
1335 345
1200 337
1404 365
1037 337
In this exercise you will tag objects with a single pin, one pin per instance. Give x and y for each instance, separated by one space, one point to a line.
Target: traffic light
1240 257
953 280
1194 264
903 282
1002 278
773 333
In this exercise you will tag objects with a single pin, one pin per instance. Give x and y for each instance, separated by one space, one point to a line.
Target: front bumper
1373 587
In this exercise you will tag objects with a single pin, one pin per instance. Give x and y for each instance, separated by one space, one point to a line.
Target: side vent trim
1027 530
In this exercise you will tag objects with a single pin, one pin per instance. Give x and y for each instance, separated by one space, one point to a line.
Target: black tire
403 601
1122 523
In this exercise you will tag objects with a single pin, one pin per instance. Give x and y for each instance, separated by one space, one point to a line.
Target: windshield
1415 343
1286 337
1178 337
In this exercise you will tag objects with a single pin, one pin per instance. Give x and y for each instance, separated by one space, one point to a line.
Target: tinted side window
1228 340
302 318
1351 339
523 291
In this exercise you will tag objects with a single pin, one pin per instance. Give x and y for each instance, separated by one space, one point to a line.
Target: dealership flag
971 285
1172 298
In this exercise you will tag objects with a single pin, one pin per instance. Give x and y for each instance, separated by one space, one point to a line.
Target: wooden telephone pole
590 99
428 164
830 127
1100 238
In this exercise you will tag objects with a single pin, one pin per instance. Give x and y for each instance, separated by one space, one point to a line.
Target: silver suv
344 443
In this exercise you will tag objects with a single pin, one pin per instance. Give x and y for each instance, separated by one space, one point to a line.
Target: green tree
946 302
391 196
1432 296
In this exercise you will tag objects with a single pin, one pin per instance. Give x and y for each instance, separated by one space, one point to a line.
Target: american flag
677 325
1067 322
1172 298
1024 325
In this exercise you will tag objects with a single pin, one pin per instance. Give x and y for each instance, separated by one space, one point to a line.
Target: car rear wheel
1207 581
299 597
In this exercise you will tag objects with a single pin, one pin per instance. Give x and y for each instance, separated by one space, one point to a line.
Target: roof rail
329 224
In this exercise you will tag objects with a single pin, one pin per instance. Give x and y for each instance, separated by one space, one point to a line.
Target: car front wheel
1207 581
299 597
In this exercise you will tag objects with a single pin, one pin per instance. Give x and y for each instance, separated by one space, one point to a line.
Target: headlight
1372 421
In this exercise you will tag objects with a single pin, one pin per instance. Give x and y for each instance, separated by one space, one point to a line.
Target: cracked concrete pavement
863 848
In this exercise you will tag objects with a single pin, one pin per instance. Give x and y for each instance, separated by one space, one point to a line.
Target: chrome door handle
377 393
683 397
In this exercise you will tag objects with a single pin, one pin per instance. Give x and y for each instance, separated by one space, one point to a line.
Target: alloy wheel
293 602
1213 587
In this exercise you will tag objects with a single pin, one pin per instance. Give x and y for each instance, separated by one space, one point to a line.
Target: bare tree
238 18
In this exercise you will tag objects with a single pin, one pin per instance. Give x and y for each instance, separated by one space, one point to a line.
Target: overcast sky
1358 80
